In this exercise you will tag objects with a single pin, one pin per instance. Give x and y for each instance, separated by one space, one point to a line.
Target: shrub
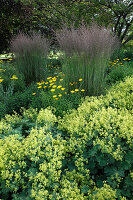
119 73
20 99
31 55
122 53
87 50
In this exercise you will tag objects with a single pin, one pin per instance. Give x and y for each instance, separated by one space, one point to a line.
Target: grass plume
87 50
31 55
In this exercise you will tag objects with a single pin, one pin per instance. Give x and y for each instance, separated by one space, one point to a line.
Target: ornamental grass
86 52
31 55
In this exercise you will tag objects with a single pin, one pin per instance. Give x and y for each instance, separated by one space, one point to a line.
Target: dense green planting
85 155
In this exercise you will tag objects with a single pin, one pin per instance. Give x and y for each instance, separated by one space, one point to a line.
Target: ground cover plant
85 155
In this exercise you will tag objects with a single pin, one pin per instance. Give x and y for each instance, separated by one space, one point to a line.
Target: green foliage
2 109
119 73
6 72
103 134
19 99
87 156
62 105
124 52
34 166
14 16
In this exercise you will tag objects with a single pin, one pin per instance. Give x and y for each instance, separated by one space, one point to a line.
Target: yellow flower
61 79
39 86
54 86
59 95
14 77
34 93
42 82
46 83
54 96
1 80
59 86
51 81
72 91
80 79
76 90
82 90
62 88
65 92
70 83
45 86
38 83
52 90
10 59
49 78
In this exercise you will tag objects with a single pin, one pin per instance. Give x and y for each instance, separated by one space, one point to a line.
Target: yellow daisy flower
80 79
54 96
39 86
1 80
76 90
82 90
52 90
72 91
62 88
59 95
51 84
54 86
59 86
49 78
34 93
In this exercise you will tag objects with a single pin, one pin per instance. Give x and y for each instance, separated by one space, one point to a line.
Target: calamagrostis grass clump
87 50
31 55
